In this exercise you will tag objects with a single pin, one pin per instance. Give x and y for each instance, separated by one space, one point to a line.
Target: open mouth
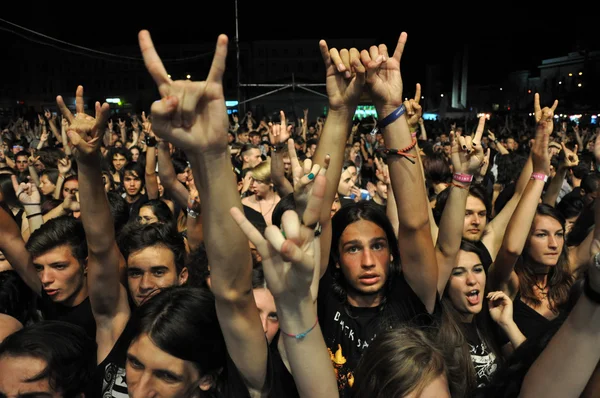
473 297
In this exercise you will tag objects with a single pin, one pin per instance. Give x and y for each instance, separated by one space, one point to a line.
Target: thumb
162 111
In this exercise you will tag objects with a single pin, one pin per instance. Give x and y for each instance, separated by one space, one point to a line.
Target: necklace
542 289
260 206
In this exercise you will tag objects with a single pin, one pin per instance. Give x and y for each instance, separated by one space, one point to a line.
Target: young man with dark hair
47 359
21 161
53 263
154 252
133 186
155 255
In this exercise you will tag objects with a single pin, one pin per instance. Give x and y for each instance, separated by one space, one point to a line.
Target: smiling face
546 241
467 284
364 260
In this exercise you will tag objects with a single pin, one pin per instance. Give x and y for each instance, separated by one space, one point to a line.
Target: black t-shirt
134 208
348 330
483 358
80 315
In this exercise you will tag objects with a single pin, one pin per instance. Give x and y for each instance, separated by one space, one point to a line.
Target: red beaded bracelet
402 152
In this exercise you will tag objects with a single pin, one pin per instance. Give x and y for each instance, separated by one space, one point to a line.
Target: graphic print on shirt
484 362
114 384
353 346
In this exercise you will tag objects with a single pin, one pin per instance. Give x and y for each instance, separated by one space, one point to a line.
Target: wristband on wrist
302 335
392 117
539 176
33 215
460 177
279 147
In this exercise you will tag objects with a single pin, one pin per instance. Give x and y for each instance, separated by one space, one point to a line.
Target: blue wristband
391 117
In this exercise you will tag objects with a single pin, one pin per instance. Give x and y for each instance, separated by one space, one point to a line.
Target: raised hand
485 164
191 115
345 76
467 154
70 204
545 115
47 114
414 111
303 177
570 158
84 131
279 132
501 308
288 258
27 193
384 80
539 151
382 171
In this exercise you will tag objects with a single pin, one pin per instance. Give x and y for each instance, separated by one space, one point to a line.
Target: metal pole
237 46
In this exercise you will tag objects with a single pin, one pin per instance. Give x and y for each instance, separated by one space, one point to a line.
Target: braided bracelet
401 152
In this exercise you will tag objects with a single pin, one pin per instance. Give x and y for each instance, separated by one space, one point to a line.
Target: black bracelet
589 292
33 215
279 147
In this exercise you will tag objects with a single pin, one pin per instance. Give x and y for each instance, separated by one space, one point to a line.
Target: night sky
503 37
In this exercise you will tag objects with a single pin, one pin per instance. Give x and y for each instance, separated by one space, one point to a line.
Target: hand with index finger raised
191 114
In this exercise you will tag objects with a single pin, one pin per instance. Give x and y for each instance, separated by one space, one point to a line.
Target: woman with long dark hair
533 266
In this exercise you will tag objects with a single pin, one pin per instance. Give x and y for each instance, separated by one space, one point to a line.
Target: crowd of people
185 252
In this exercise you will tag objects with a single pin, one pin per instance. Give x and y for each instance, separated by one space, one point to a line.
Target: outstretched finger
418 93
217 69
15 184
102 115
554 105
249 230
283 120
325 53
536 103
479 131
400 46
317 196
294 162
153 63
79 106
63 109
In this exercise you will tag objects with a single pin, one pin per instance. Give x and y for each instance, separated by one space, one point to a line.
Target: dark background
502 36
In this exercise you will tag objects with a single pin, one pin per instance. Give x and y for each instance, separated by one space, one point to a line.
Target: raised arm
108 297
467 158
167 175
501 274
384 81
192 115
151 181
13 248
568 160
345 80
279 133
289 265
495 230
